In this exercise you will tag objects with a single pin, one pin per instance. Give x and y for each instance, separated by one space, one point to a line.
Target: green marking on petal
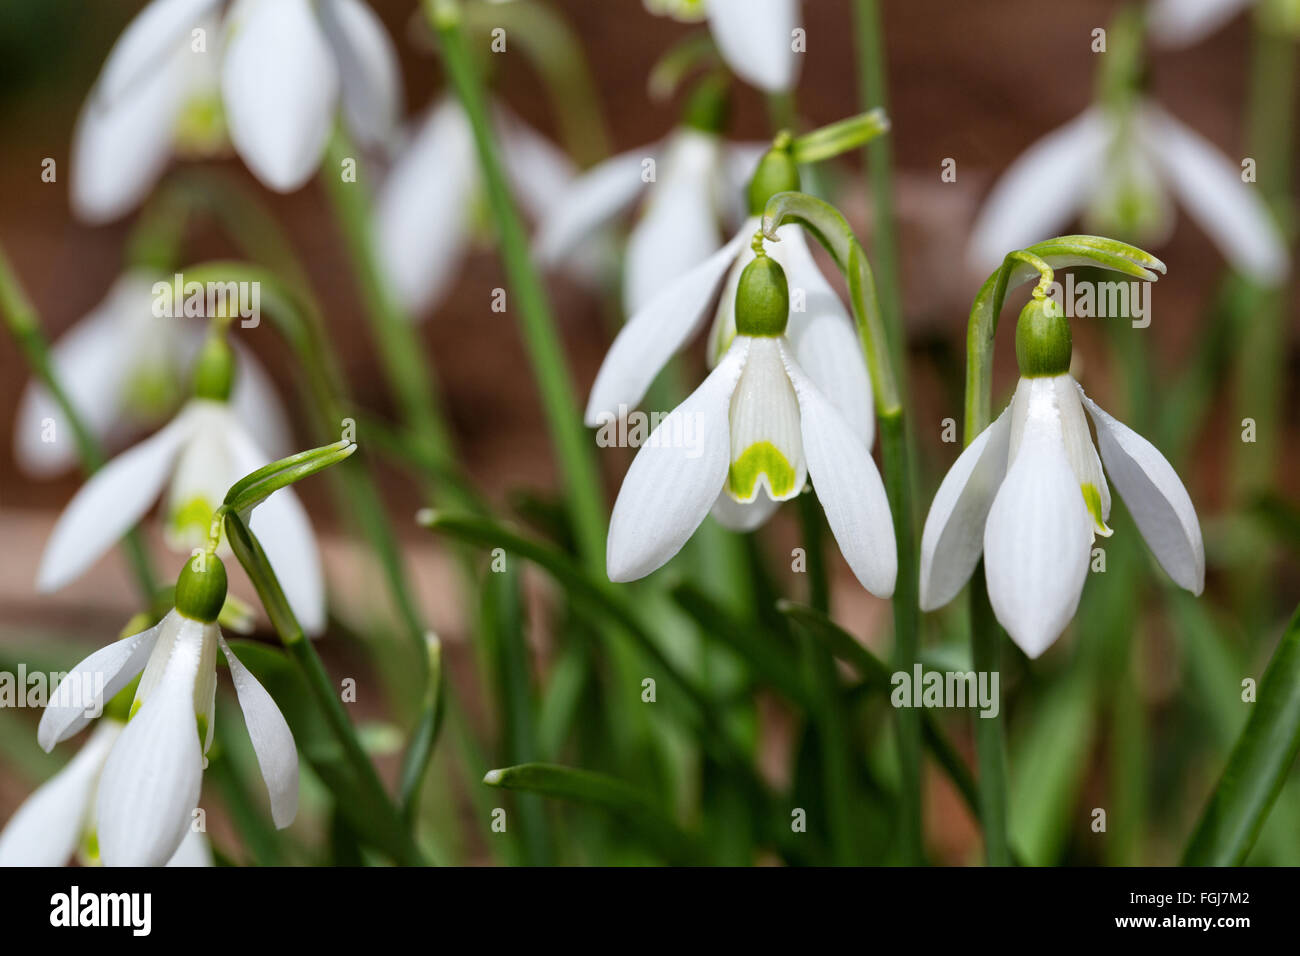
192 519
1092 498
150 392
761 458
201 127
135 706
90 847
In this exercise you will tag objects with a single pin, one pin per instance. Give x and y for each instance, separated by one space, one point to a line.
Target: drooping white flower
691 182
57 822
124 368
1184 22
149 786
270 74
1118 169
1029 494
425 211
204 450
755 37
750 437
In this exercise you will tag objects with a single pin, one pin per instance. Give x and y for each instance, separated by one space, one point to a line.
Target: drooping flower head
755 37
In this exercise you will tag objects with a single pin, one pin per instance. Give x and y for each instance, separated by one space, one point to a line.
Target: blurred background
1134 710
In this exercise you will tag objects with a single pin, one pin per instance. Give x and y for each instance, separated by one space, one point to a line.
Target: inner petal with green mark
1081 452
766 448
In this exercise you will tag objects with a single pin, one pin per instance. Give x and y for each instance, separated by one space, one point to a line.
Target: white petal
1209 185
193 851
205 469
755 37
675 477
370 75
81 695
766 446
254 400
111 501
151 780
953 538
679 226
1041 191
148 41
739 163
46 828
590 202
1155 497
743 516
1182 22
422 209
280 84
272 740
1038 535
1079 450
91 362
848 486
654 334
540 172
284 530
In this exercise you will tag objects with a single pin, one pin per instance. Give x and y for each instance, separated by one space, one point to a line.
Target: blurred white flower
1184 22
270 74
57 822
198 455
1117 170
755 37
425 211
124 368
1029 494
151 777
691 181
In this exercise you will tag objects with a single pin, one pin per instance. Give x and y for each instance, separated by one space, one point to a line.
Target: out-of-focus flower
269 74
204 450
1030 495
124 368
426 209
755 37
150 783
57 822
754 431
1184 22
1117 168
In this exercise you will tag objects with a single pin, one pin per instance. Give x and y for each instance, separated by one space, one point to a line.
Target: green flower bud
707 107
762 298
214 370
1042 339
776 173
201 588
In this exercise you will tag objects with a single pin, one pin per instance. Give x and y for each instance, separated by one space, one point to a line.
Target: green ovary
1092 498
761 458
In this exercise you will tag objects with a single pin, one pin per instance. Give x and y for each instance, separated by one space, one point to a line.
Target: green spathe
762 298
1043 345
201 588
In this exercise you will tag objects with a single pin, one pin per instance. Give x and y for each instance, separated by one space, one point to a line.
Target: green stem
573 448
990 736
24 325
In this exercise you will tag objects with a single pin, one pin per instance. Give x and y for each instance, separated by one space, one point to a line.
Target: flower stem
577 462
24 325
990 743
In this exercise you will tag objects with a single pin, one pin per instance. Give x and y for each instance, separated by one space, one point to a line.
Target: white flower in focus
58 820
123 369
196 457
1029 494
425 212
755 37
269 74
150 783
1118 171
697 181
751 436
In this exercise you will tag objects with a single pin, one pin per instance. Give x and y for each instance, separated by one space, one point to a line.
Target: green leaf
1258 765
254 488
837 138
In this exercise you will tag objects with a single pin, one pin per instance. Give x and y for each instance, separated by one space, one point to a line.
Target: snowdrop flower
1184 22
58 819
121 367
755 37
149 785
1029 494
691 180
820 334
757 428
270 77
202 452
425 211
1117 168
